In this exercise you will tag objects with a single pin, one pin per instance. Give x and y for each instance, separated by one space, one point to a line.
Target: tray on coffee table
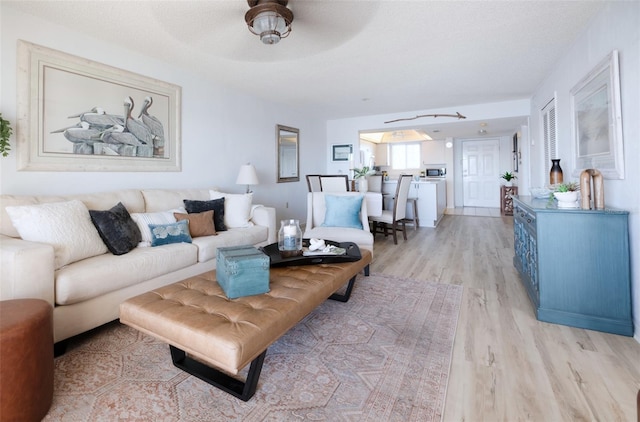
352 254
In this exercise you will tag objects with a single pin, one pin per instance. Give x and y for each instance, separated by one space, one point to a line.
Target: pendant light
269 19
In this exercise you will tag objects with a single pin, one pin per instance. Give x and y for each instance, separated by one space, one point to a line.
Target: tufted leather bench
197 320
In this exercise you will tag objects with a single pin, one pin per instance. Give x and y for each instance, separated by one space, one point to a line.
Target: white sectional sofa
87 293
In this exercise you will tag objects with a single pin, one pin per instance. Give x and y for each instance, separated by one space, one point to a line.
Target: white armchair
329 219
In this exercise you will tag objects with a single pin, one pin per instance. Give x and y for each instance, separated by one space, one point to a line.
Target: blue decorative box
242 271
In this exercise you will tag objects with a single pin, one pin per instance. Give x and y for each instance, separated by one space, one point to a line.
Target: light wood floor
507 366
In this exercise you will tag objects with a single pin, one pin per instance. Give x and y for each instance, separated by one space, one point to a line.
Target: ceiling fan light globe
265 21
270 37
269 25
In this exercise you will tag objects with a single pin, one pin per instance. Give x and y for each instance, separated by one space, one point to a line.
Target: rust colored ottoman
26 359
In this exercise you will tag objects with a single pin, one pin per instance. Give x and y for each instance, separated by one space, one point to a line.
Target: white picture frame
53 85
597 121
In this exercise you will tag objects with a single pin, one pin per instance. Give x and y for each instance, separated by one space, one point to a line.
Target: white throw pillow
65 225
143 219
237 208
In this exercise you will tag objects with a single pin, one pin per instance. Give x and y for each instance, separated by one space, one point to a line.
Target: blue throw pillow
342 211
163 234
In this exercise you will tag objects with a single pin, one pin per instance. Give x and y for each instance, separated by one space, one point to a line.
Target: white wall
221 129
616 27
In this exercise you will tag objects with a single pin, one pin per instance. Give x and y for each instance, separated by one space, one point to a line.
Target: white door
480 173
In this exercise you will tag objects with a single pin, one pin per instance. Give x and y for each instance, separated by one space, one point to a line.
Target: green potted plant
5 134
362 173
359 173
566 194
508 177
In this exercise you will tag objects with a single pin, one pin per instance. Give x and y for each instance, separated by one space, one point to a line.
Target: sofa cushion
237 208
164 199
131 198
200 223
164 234
215 205
208 245
65 225
102 274
117 229
343 211
144 219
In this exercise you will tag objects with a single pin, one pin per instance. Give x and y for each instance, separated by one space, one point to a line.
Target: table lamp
247 176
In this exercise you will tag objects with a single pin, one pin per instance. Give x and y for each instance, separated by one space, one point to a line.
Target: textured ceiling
347 58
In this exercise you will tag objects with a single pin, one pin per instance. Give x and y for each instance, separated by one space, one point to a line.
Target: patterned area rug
383 356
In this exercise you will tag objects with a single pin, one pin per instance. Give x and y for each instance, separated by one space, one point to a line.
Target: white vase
363 185
509 183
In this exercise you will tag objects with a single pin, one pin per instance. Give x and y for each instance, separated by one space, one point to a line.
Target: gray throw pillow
117 229
217 205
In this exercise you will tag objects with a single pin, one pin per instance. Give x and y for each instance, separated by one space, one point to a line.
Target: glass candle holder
290 238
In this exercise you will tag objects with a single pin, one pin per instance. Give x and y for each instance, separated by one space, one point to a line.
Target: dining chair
313 183
374 183
415 221
334 183
391 221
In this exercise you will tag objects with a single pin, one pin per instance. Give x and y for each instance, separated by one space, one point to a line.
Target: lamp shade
247 175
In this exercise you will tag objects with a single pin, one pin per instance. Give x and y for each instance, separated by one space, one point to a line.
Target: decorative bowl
540 193
567 199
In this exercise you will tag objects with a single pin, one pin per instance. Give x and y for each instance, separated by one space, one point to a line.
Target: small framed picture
342 152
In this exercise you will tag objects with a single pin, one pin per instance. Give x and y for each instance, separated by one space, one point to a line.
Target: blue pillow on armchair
343 211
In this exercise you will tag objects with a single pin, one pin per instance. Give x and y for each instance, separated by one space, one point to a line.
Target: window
405 156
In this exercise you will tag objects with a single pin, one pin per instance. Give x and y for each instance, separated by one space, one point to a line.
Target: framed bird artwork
88 116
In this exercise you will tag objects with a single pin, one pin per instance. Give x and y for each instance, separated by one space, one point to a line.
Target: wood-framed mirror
288 144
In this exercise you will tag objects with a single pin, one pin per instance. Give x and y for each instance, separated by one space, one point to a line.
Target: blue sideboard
574 264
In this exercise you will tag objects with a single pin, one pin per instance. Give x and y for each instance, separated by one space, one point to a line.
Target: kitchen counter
421 181
431 195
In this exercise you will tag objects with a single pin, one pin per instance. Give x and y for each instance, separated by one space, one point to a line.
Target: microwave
436 172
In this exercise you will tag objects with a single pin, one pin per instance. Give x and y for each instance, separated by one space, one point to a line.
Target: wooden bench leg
242 390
